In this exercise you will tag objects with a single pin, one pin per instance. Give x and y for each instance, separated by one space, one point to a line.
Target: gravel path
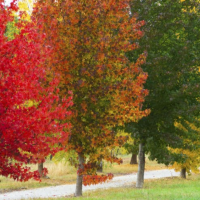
63 190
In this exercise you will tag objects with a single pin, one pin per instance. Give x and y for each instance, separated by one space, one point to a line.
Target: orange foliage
95 179
89 40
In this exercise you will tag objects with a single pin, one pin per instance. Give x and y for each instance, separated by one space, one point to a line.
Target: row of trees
84 45
94 50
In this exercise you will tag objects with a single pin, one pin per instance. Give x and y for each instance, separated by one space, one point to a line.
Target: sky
7 2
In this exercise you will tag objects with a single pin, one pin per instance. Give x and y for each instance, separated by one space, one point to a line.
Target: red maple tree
27 133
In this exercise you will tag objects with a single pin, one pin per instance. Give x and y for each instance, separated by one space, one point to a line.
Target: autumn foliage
90 40
30 109
192 158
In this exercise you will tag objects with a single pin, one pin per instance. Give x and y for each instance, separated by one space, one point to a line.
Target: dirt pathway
63 190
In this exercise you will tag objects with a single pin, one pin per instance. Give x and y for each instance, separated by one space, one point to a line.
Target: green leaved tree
172 38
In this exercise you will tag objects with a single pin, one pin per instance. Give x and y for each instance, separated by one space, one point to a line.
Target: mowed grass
159 189
62 173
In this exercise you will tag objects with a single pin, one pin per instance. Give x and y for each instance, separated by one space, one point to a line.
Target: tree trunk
100 166
141 166
183 173
79 180
40 169
133 159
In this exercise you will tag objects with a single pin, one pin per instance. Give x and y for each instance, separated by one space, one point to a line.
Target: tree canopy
28 133
172 42
89 40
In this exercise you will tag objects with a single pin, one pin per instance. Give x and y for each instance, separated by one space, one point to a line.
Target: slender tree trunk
100 166
40 169
133 159
183 173
141 166
79 180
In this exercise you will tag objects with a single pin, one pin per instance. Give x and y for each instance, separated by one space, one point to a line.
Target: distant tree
192 161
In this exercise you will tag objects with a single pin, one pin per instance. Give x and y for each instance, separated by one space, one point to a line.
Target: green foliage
11 29
69 156
193 159
172 38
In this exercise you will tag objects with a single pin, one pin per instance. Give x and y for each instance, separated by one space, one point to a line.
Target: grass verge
160 189
62 173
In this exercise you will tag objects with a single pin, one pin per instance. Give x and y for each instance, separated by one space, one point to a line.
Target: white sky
7 2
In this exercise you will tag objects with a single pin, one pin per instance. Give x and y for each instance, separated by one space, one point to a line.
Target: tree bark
40 169
100 166
79 180
141 166
183 173
133 159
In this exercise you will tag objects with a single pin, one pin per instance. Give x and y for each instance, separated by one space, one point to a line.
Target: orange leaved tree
90 40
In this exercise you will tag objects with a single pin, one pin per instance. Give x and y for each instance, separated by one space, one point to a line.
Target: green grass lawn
160 189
